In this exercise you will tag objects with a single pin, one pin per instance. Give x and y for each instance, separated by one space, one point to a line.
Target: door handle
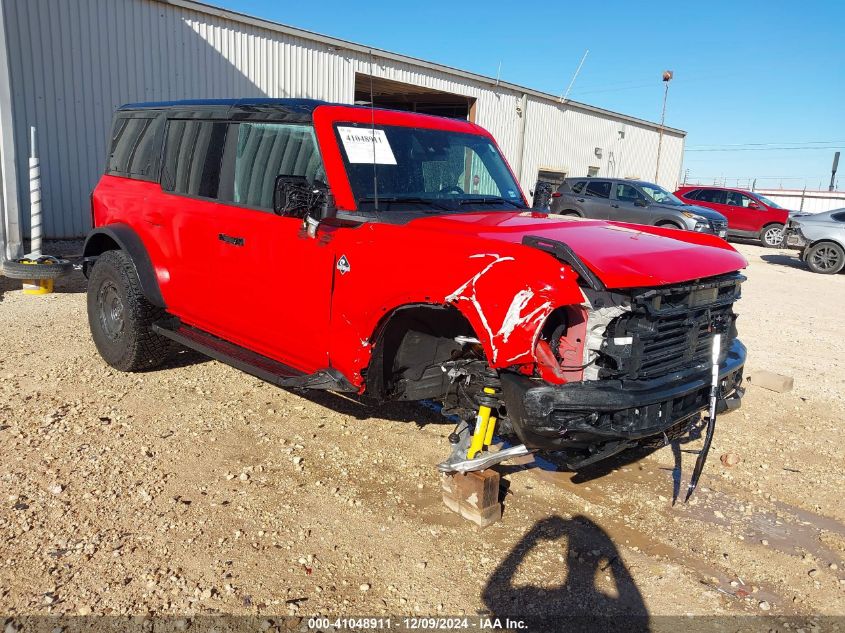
615 206
580 199
234 241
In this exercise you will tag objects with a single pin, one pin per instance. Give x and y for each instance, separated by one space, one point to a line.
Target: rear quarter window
692 194
135 148
193 151
839 217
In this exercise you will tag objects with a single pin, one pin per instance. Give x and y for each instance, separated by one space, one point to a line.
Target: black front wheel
827 258
121 318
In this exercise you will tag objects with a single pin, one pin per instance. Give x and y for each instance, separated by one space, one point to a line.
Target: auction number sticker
366 145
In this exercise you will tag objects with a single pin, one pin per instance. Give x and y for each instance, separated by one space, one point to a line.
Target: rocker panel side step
251 362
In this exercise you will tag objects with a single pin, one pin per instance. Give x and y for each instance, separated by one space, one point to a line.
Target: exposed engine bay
619 370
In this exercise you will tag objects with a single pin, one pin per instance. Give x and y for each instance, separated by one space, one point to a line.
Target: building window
192 154
268 150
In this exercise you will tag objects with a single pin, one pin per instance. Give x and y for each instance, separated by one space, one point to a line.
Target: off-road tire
121 318
769 234
826 258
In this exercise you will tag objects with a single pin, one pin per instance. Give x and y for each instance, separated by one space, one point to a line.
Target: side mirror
754 205
639 202
294 196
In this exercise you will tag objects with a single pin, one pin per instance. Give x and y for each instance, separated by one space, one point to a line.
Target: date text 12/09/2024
480 623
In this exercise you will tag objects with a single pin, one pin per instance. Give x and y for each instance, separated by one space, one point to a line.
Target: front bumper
589 414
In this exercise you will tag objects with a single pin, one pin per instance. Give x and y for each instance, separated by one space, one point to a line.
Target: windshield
660 195
767 202
432 171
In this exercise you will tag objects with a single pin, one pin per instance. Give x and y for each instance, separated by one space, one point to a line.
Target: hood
621 255
704 212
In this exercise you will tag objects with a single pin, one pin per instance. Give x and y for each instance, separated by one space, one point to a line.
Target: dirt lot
197 489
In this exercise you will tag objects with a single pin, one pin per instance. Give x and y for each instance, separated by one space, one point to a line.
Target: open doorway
396 95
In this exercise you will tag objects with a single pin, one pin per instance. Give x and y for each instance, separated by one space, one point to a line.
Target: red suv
392 254
749 214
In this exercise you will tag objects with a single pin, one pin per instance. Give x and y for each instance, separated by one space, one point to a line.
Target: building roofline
263 23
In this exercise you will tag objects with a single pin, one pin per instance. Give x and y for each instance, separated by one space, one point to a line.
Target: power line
770 143
761 149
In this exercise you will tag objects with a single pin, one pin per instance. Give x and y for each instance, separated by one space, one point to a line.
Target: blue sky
749 76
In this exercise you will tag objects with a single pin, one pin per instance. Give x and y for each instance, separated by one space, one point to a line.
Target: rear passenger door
596 201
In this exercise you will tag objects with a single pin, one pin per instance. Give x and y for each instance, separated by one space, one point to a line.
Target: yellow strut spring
485 424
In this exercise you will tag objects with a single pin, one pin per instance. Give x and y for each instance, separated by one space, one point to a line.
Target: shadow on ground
791 261
574 601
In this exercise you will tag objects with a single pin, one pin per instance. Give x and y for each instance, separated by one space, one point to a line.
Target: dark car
633 201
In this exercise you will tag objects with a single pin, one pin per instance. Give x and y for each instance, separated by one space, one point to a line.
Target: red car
322 246
749 214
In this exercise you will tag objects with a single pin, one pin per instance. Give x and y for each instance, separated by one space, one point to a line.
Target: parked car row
718 210
633 201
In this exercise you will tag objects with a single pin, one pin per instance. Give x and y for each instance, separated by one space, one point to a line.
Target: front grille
670 329
718 225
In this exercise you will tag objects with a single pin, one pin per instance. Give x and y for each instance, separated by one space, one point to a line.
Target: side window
268 150
192 154
627 193
839 217
737 199
692 194
716 196
599 188
136 147
578 187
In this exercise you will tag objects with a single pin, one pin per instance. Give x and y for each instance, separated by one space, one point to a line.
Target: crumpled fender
505 291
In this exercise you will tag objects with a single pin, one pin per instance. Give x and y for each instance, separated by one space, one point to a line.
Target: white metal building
65 65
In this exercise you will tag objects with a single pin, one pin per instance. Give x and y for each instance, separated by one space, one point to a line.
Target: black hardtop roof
297 110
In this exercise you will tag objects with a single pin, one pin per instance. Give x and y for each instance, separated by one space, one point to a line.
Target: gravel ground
196 489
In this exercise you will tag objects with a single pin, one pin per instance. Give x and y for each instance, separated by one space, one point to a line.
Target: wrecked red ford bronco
393 255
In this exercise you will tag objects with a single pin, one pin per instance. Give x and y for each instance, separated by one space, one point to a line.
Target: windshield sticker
365 145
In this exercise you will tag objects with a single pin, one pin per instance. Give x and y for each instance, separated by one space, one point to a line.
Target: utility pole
667 77
833 171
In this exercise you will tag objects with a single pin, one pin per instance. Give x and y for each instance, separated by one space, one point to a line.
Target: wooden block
770 380
475 496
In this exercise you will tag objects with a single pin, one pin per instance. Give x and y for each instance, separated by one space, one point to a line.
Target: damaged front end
644 371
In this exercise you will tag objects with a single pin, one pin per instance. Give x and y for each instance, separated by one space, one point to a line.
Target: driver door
629 205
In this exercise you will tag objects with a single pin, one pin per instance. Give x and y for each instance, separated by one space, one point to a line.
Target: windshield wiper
490 200
408 199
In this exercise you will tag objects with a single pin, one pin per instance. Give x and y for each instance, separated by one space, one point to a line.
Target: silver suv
633 201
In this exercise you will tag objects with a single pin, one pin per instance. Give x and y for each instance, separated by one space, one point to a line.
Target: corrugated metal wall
72 62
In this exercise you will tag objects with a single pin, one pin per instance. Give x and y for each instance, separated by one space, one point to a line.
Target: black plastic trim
128 240
252 363
565 254
530 406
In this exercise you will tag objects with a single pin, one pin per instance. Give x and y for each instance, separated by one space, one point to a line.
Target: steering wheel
452 189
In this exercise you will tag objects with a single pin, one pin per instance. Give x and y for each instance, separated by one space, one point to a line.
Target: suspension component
485 422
